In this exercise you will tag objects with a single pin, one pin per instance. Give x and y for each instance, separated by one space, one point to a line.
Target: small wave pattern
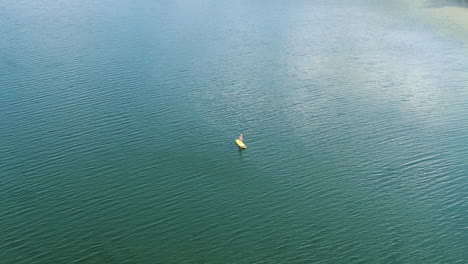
118 123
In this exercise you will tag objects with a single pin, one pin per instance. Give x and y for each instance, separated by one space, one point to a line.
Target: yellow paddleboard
241 144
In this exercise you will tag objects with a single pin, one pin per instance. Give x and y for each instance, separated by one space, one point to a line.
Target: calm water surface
118 121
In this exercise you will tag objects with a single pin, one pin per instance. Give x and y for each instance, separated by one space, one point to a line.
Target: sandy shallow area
456 16
450 16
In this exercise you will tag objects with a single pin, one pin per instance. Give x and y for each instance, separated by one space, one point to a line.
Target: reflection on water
119 122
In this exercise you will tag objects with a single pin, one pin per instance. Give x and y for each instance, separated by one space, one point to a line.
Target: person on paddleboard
241 138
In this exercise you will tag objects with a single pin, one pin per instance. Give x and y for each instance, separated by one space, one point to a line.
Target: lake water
118 121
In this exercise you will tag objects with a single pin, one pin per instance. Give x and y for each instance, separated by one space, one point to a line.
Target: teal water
118 121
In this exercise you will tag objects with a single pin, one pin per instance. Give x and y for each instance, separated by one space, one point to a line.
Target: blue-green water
118 121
